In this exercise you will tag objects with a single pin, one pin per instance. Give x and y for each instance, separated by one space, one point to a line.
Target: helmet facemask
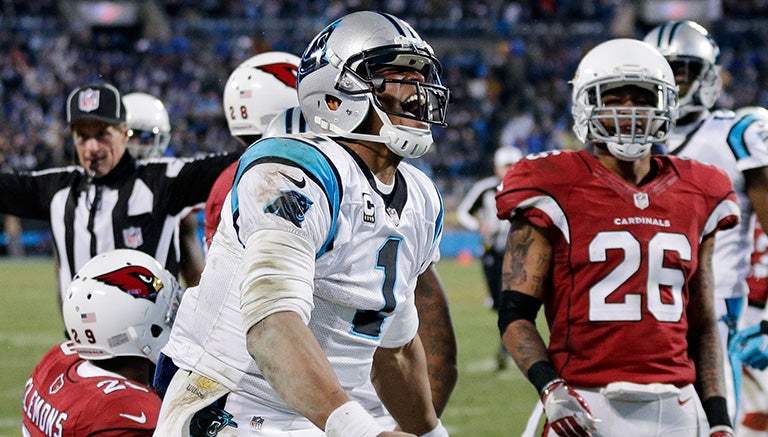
703 79
147 143
425 101
649 125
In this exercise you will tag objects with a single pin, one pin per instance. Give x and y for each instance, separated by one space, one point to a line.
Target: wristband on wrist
716 409
439 431
351 420
541 374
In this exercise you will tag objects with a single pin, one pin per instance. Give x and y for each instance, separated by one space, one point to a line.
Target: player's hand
567 412
721 431
750 346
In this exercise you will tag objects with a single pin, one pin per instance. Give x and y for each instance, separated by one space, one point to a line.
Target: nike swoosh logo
683 402
299 183
137 419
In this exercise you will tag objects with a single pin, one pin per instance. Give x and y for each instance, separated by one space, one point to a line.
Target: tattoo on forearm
518 245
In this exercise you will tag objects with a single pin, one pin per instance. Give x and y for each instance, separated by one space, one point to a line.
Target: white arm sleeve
402 326
279 272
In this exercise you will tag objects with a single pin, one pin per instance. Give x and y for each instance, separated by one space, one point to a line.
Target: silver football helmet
617 63
690 48
121 303
337 87
258 89
149 127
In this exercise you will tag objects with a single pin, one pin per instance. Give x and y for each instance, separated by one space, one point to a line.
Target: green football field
485 402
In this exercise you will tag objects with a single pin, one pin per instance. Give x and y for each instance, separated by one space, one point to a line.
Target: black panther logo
290 205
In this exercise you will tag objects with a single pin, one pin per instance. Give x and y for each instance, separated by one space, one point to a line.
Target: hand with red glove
567 412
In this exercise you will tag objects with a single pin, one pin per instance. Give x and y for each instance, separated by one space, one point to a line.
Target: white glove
567 412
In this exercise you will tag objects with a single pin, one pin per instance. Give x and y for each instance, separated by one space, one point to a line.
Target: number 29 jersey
623 258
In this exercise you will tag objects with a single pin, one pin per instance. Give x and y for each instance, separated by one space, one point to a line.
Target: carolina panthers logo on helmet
314 56
283 71
137 281
291 205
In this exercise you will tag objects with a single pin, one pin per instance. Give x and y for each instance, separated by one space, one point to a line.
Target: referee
111 200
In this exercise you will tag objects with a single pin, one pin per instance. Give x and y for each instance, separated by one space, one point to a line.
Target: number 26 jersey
623 258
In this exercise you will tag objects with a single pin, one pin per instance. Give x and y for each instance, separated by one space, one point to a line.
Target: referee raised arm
111 200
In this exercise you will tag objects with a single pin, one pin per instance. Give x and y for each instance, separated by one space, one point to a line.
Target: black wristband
716 409
515 305
541 374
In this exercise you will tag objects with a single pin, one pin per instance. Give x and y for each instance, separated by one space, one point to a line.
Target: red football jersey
758 274
59 402
623 258
215 201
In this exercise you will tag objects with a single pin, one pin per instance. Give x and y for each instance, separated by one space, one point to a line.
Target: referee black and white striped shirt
138 205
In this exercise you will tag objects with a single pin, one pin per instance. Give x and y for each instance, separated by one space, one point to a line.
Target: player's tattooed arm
437 335
704 339
527 269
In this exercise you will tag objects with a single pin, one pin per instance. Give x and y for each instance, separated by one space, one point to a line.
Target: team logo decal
641 200
283 71
88 100
137 281
369 209
290 205
132 237
315 55
56 385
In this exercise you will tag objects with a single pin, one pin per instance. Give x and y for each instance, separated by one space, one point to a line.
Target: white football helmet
149 127
121 303
337 89
688 45
258 89
617 63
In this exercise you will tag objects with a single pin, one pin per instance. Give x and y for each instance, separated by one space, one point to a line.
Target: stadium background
507 64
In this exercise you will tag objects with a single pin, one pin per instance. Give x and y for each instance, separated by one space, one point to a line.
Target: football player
149 133
118 312
308 289
256 91
617 246
733 141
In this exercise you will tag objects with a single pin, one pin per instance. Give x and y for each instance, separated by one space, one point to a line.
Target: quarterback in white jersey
733 141
308 289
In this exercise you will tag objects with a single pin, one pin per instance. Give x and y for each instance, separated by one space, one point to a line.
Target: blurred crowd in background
507 64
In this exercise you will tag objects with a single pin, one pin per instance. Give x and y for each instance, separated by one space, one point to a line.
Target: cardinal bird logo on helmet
137 281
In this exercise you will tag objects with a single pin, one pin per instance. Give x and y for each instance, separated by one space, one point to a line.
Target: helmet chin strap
628 152
405 141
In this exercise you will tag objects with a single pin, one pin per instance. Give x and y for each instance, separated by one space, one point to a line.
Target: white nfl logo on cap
88 100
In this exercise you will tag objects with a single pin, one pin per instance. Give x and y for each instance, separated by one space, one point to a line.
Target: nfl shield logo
393 215
88 100
641 200
132 237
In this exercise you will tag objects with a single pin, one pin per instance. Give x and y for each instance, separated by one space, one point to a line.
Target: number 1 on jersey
368 322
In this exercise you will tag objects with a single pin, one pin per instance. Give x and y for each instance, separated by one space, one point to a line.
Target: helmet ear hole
332 102
156 330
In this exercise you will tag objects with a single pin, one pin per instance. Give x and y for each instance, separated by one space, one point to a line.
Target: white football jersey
370 248
735 143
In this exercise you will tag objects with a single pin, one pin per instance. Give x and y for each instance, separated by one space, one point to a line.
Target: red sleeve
215 201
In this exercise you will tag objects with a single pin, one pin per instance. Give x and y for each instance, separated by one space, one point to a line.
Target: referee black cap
100 102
